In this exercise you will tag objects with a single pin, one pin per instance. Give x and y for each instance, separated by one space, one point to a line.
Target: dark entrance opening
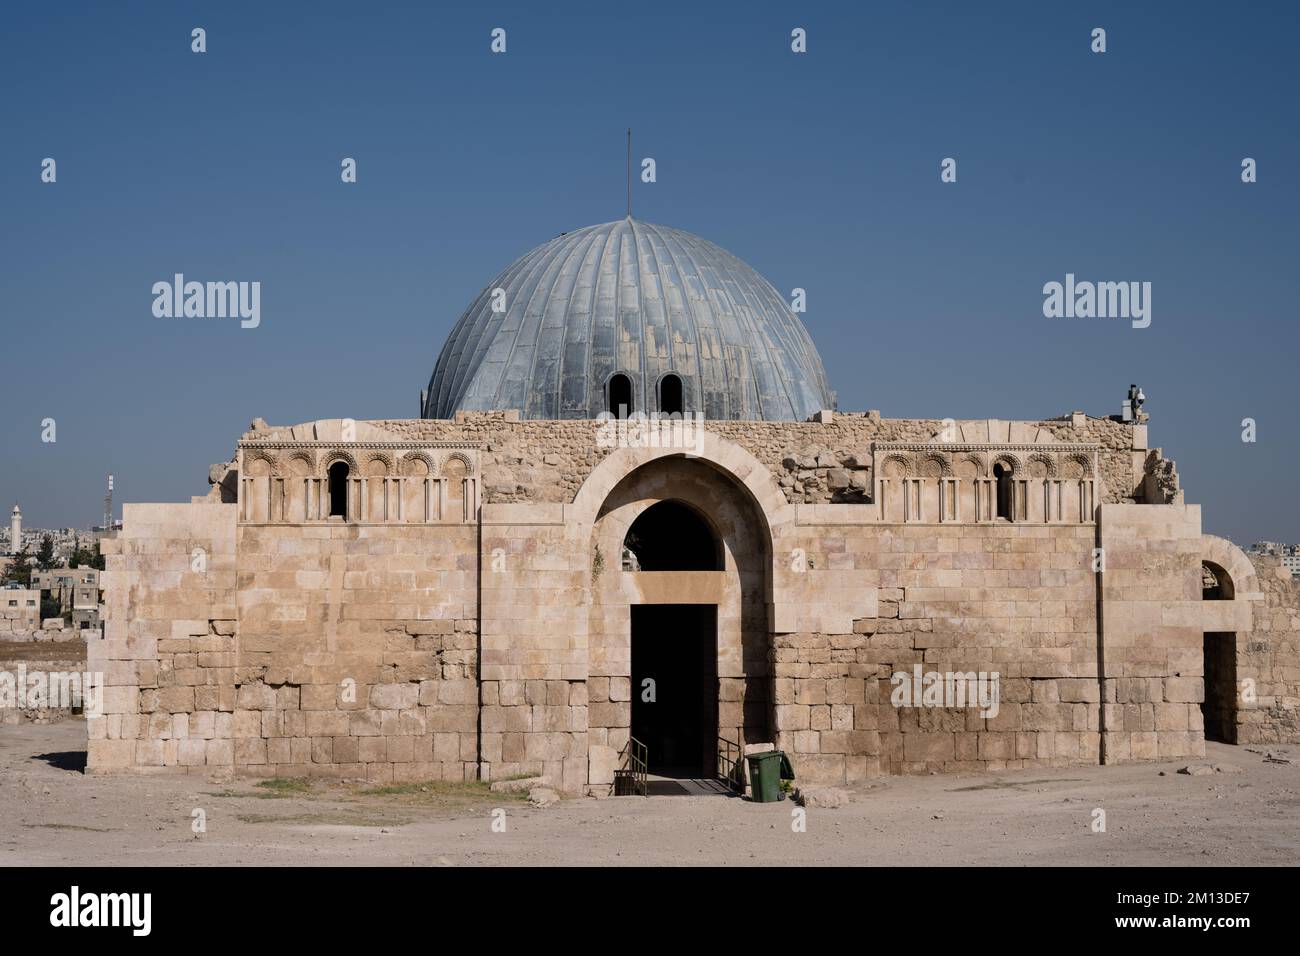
675 687
1002 475
339 489
1220 706
672 536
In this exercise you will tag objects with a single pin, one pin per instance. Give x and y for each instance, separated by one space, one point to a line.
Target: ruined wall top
814 462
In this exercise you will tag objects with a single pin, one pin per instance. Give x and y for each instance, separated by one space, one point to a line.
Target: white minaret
16 530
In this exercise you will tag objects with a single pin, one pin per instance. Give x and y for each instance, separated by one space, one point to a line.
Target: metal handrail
731 764
638 761
636 767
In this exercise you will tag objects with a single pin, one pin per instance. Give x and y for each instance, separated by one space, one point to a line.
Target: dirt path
50 813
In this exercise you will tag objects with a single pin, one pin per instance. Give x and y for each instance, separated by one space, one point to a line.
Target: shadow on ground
74 760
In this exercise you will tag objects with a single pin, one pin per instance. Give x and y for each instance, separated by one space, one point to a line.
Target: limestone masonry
465 609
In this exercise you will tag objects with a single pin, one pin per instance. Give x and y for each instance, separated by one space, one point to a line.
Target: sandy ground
51 813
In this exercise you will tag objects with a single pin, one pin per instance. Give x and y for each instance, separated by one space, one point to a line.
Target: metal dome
638 299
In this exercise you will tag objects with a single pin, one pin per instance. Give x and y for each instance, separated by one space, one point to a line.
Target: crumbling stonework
813 462
1269 657
41 688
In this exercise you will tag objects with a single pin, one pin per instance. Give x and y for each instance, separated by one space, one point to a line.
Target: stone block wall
167 655
1269 657
535 654
38 687
356 651
1016 600
1152 632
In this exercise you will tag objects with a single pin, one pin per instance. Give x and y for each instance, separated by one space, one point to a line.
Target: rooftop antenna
629 172
108 506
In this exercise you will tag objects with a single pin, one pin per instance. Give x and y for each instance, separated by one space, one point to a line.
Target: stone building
520 581
77 589
20 612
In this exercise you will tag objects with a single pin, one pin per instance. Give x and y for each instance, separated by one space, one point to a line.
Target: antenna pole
629 172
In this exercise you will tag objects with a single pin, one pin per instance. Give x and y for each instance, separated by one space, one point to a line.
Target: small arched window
338 481
670 395
1002 475
620 396
1216 584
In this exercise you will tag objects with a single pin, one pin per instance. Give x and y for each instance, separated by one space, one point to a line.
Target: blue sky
821 170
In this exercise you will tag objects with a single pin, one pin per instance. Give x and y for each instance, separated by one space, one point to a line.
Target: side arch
1221 551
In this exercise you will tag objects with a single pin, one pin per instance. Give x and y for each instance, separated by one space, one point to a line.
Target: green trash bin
765 773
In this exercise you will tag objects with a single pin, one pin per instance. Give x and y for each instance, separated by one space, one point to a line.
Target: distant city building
77 590
20 610
1289 554
65 540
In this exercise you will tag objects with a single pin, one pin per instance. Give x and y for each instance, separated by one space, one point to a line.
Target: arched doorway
679 644
674 646
1219 705
1235 667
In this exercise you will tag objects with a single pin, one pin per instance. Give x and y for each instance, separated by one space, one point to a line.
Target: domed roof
629 297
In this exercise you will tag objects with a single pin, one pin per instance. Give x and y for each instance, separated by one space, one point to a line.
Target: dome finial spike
629 172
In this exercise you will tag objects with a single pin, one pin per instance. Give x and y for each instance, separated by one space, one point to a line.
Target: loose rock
825 798
543 797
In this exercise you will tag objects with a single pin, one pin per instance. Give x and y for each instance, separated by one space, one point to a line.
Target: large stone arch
726 457
1225 554
745 509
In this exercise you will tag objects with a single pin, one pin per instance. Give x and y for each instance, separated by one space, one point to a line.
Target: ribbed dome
638 299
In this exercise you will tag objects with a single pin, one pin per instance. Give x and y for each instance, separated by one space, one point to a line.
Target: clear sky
821 170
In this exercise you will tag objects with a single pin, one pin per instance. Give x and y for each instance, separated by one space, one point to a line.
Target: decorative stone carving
896 466
417 464
1041 466
1008 460
337 455
465 461
384 460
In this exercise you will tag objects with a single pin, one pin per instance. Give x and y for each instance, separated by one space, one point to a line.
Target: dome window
620 395
670 395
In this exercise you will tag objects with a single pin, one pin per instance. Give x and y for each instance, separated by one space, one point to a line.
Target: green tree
20 570
81 556
97 559
45 553
50 606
